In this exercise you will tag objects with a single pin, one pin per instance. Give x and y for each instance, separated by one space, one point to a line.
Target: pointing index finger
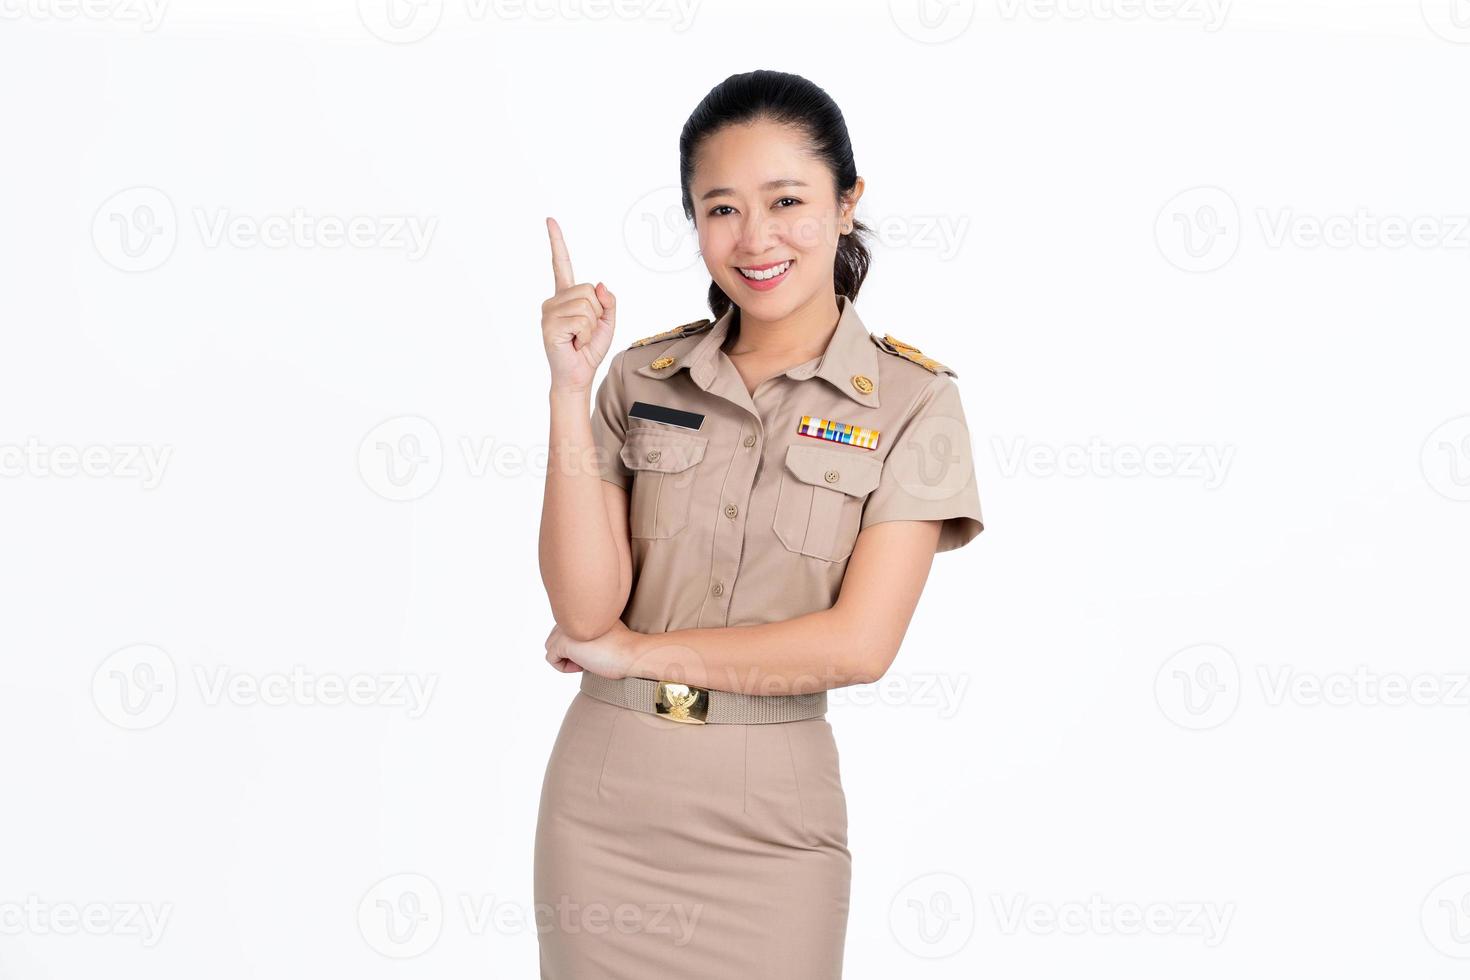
561 262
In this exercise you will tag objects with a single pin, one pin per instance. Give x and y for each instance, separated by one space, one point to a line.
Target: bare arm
854 642
585 559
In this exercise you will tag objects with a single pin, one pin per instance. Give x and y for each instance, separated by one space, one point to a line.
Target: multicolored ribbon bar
843 432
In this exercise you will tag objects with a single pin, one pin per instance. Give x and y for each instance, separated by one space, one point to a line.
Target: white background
1177 694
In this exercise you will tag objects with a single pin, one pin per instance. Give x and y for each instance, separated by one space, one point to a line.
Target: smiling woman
770 487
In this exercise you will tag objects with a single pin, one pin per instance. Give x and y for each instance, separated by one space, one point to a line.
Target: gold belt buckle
681 702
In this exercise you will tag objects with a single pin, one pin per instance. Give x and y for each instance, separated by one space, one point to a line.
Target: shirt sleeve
929 473
610 424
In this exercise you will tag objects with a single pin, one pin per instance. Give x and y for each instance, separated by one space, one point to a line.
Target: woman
745 521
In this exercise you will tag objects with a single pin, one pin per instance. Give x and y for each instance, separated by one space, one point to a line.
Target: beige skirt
710 851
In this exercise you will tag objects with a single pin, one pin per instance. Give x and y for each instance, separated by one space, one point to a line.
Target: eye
715 211
791 199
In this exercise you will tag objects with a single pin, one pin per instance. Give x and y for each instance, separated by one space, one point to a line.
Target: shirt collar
850 354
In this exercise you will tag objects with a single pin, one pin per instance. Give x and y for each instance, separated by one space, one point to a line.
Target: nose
756 235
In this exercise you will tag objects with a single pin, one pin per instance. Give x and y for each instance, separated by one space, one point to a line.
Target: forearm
579 560
816 652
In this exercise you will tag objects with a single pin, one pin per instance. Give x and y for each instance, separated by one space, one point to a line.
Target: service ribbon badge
843 432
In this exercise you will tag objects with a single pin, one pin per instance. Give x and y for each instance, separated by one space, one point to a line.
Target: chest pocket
663 465
820 504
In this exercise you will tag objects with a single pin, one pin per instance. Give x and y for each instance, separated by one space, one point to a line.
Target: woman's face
762 204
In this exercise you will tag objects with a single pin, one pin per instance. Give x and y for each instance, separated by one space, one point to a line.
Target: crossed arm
586 566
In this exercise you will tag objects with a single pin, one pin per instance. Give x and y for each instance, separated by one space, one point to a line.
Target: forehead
744 156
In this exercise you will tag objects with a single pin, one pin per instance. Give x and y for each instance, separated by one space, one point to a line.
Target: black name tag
662 413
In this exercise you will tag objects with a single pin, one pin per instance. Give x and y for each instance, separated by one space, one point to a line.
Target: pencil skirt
711 851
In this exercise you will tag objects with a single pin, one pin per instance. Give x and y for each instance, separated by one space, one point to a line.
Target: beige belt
698 705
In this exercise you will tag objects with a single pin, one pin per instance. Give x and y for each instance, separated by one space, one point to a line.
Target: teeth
770 273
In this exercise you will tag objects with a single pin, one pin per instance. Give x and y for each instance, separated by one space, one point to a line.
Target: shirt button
731 510
750 440
653 455
831 476
719 589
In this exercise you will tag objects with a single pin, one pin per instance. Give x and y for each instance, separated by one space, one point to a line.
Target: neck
809 327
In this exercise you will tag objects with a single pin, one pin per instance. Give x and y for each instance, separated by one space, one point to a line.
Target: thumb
609 303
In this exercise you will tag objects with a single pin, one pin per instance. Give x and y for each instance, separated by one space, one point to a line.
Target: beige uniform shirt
744 508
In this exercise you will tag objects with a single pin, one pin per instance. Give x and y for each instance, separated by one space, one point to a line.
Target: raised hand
576 322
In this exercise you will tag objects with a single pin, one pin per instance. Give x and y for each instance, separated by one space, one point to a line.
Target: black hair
780 97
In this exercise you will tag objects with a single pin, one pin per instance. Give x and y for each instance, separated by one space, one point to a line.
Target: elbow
585 628
873 663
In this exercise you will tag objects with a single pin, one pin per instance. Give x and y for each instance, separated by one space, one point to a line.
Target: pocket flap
848 472
661 450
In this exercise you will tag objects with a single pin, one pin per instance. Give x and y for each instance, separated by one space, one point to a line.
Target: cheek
812 234
715 242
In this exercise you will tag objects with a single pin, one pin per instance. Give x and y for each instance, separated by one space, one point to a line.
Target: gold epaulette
893 345
682 330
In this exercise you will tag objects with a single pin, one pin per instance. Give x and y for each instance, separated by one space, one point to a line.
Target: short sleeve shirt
744 507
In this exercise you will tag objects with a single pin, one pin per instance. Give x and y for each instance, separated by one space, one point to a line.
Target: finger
609 303
561 262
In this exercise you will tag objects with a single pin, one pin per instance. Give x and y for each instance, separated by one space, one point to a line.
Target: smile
768 276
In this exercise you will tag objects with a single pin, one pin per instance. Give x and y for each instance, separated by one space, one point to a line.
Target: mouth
765 276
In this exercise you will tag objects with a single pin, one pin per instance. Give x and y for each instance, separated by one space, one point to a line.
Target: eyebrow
769 185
